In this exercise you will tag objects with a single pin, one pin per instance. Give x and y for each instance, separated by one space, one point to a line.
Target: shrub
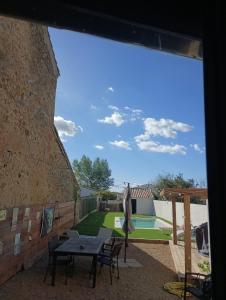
205 266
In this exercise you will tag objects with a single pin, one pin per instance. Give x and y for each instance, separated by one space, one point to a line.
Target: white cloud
133 110
142 137
133 114
152 146
66 127
121 144
110 88
93 107
196 148
116 118
100 147
137 111
113 107
163 127
80 127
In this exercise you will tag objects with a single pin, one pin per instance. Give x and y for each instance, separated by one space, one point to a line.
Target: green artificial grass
91 225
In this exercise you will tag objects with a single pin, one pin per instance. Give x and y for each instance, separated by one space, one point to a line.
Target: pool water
143 223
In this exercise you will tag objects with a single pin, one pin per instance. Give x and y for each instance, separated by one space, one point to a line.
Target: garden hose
176 288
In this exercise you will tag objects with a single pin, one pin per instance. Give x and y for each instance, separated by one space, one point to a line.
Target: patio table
90 247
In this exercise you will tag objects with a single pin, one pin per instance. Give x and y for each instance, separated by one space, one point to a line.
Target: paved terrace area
177 252
136 282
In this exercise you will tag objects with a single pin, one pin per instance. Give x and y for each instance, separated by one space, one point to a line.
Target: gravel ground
142 283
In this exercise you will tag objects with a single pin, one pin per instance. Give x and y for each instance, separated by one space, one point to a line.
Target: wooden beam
187 233
174 214
203 193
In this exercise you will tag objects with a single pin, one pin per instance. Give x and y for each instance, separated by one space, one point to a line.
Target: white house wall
199 213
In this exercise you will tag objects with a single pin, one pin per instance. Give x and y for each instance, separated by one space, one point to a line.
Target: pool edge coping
145 241
169 226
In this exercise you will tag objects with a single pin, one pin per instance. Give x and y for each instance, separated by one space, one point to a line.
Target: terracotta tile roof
141 193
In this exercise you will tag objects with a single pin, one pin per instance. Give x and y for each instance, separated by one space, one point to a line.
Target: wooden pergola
186 194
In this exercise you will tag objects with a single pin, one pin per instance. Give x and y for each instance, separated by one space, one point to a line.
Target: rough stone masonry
34 169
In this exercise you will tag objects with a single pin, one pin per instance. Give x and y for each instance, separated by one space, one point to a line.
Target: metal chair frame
203 288
110 257
52 245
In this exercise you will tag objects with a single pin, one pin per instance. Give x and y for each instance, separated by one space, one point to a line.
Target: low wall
163 209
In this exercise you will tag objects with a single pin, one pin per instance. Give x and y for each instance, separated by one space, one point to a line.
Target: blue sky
140 109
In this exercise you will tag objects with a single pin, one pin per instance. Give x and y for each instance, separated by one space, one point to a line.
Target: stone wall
34 169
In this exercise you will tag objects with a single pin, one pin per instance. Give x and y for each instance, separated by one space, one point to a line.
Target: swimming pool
143 223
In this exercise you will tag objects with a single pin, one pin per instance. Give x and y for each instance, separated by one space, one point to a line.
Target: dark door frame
134 205
194 19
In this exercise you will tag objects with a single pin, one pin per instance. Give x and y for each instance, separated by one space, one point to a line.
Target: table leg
54 269
94 270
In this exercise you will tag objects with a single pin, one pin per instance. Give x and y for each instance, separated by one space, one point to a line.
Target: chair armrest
63 237
200 277
195 274
107 246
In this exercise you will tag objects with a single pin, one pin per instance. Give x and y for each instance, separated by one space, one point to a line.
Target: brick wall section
34 169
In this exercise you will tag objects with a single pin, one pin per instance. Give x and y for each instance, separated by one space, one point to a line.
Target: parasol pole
126 221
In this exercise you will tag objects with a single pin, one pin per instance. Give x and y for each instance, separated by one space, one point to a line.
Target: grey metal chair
72 234
105 233
110 258
63 260
202 287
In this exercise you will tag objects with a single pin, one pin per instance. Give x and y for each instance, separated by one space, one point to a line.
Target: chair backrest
116 249
72 234
53 244
104 233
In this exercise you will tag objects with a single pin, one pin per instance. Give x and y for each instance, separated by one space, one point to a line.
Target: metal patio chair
105 233
63 260
72 234
201 286
110 258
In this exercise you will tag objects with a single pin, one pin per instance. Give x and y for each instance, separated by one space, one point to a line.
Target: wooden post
208 224
174 214
187 233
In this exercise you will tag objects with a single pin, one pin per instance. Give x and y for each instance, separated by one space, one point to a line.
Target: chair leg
91 270
117 269
73 266
66 273
46 272
113 268
110 273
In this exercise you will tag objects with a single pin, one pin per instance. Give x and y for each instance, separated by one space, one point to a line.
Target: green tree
95 175
171 181
108 195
